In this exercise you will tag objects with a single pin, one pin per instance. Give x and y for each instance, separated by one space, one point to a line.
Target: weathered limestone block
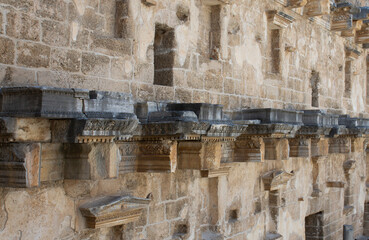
339 145
52 162
128 152
276 149
362 36
199 155
299 147
317 8
112 211
356 25
157 156
91 161
357 145
275 179
249 150
279 20
319 147
20 165
24 130
349 166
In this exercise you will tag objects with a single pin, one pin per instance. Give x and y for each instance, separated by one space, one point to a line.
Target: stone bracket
299 147
249 150
278 19
339 145
315 8
276 149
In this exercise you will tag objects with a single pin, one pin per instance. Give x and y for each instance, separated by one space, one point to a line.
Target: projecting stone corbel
278 19
199 155
342 19
113 210
299 147
315 8
362 36
249 150
275 179
276 149
20 165
339 145
297 3
352 54
319 147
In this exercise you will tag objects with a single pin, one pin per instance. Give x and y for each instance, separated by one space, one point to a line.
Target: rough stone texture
211 51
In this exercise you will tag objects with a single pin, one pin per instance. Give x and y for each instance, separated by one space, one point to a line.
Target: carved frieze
128 153
342 19
113 210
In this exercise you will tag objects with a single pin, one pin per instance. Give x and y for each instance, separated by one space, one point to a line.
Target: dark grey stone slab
319 118
270 115
204 111
172 116
45 102
142 109
353 122
108 105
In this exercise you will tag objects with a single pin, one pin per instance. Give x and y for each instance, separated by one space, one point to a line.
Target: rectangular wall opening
348 72
315 81
215 32
275 50
314 227
164 55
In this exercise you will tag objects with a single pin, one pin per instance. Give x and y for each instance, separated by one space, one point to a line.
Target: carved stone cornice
339 145
299 147
249 150
278 19
113 210
342 18
272 130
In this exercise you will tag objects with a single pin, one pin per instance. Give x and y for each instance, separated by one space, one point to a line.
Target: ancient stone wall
92 145
220 53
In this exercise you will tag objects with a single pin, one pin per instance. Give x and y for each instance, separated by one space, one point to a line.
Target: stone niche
112 211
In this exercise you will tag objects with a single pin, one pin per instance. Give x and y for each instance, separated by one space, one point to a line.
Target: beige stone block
158 231
213 83
156 213
249 150
67 60
56 10
122 68
25 129
53 79
177 209
195 80
13 76
164 93
144 72
96 65
52 162
22 26
199 155
24 5
113 85
183 95
80 38
200 96
7 50
92 21
111 46
142 92
86 82
55 33
33 54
